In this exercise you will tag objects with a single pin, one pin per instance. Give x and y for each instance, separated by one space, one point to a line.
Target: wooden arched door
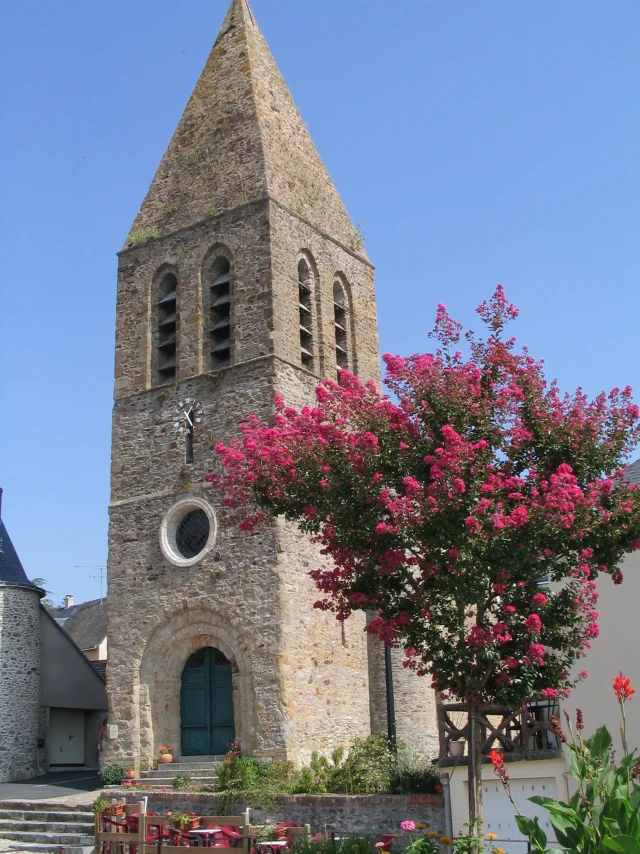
206 704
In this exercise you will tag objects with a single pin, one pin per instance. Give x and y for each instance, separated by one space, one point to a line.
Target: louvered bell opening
168 344
220 329
340 328
306 335
170 298
168 321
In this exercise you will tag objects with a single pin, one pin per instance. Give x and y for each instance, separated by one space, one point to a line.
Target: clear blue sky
477 142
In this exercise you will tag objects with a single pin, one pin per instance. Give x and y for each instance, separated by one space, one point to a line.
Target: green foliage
367 768
143 235
99 805
349 845
47 603
413 776
180 820
423 845
604 813
113 775
182 782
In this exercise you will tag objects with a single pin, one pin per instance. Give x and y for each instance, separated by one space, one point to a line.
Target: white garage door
499 812
66 737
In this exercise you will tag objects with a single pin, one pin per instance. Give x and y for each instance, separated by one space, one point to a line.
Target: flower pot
114 810
165 758
129 775
456 748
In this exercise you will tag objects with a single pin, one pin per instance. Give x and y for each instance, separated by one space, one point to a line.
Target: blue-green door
206 704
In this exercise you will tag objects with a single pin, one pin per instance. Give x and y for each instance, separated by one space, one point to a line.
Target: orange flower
446 840
492 836
622 687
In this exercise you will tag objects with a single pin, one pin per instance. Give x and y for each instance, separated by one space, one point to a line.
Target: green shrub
414 776
349 845
367 769
182 782
113 775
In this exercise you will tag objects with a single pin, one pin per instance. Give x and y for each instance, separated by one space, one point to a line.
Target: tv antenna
100 575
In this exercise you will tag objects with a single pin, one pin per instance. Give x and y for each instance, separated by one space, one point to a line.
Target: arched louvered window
220 313
305 292
167 330
342 325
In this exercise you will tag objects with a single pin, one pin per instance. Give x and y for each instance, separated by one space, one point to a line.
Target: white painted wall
536 777
617 648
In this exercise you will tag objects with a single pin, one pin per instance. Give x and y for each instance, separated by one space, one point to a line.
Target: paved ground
60 784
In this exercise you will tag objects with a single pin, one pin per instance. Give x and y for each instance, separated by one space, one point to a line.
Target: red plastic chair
219 837
384 841
233 835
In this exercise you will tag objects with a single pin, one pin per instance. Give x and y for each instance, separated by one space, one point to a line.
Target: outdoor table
205 832
272 846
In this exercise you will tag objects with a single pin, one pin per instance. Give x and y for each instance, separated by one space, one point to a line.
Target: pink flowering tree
442 508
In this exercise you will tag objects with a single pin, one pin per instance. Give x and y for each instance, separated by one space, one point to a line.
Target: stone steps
192 772
200 762
47 848
202 770
34 826
54 839
7 825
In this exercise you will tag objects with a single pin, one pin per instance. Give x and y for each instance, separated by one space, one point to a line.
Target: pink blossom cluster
441 510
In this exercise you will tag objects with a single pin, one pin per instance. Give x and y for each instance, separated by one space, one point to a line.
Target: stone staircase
45 827
201 769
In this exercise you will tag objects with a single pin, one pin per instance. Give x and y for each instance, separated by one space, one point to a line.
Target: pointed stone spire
240 139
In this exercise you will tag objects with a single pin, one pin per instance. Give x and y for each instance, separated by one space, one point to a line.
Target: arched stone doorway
206 704
176 637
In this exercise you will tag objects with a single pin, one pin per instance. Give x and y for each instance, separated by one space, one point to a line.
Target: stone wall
363 815
19 682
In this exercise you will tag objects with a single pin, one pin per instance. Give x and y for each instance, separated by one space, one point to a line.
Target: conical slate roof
11 571
241 139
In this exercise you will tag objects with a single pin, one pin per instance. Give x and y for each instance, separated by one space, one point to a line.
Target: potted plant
456 746
99 805
114 809
184 821
165 754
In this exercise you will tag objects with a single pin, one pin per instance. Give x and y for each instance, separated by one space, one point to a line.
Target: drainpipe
391 706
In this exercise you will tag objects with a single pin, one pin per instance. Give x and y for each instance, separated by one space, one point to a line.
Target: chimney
68 601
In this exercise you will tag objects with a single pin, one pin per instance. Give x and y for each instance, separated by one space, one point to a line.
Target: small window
305 293
341 324
220 313
167 328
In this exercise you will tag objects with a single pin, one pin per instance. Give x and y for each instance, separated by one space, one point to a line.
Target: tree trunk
476 819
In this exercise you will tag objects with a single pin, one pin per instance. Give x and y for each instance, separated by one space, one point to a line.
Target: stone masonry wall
19 682
366 815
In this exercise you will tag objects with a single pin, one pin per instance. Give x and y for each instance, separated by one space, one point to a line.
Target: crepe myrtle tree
442 508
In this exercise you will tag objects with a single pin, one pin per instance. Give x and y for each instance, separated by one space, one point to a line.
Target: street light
391 706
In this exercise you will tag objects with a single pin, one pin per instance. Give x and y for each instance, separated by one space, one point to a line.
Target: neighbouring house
537 763
86 625
52 701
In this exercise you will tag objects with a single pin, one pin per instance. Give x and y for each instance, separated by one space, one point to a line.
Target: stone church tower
242 277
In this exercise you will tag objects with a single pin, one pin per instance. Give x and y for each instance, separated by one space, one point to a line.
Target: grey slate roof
11 571
86 623
632 473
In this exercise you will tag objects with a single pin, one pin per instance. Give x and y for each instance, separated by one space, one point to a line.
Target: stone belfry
242 277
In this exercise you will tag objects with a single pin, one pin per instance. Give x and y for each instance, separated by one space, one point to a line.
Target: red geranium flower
622 687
